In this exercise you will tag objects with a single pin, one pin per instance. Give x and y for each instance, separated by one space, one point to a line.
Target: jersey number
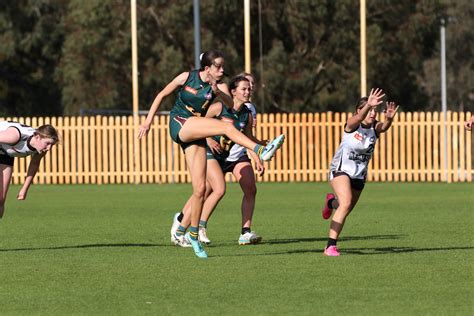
370 149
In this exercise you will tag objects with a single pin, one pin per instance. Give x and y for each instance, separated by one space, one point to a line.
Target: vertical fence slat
422 147
462 158
86 156
429 146
118 148
415 168
80 149
389 162
297 143
155 167
455 146
436 147
449 146
396 152
133 161
311 145
324 148
468 145
163 154
93 156
271 135
123 151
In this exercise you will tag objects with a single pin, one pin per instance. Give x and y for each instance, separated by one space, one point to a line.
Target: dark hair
207 59
361 103
234 82
246 74
48 131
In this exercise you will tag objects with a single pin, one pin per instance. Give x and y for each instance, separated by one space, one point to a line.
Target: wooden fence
106 150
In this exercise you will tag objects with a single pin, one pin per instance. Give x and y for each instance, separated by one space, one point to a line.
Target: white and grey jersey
354 153
238 151
22 148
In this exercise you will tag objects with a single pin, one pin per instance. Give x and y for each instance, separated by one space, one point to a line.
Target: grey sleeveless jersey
238 151
354 153
21 148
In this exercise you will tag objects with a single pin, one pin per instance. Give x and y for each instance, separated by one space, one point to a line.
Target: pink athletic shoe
331 251
326 210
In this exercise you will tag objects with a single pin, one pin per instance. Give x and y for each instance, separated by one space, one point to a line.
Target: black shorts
228 166
356 184
6 160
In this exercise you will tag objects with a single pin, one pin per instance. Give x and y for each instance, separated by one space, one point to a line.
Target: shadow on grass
297 240
87 246
391 250
357 251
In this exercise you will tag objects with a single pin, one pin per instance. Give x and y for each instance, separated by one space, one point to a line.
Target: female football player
223 157
196 91
19 140
348 169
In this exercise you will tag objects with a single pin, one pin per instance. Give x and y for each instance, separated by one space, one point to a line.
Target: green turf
83 249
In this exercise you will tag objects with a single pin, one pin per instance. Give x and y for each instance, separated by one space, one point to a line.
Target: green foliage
58 57
31 38
92 69
460 65
406 249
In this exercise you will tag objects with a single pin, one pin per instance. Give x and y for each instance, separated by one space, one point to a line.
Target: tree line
60 56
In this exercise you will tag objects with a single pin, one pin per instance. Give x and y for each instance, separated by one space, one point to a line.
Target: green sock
202 224
180 231
193 232
258 149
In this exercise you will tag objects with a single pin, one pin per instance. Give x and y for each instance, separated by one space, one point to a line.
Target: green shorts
176 123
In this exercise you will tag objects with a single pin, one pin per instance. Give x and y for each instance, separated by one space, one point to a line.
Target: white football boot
270 150
174 227
249 238
203 236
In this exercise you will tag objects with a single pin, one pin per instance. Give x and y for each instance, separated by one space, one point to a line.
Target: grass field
407 249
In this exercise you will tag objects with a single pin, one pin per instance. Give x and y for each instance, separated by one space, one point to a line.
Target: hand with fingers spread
214 146
390 110
375 97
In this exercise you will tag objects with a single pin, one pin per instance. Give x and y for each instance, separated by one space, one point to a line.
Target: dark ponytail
207 59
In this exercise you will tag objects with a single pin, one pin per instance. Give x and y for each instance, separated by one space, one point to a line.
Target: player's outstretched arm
170 87
390 113
32 170
374 99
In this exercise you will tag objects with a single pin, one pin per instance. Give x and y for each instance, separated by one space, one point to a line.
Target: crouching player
19 140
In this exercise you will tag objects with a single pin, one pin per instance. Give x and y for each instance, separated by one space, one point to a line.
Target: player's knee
344 205
220 191
228 128
250 190
199 189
